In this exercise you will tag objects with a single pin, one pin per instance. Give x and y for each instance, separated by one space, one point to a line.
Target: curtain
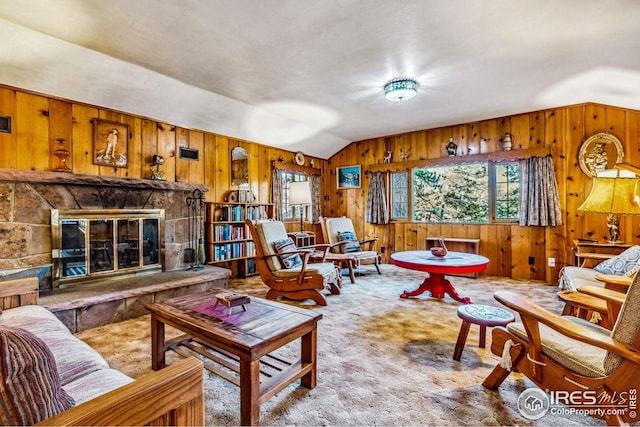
539 200
276 194
377 209
316 199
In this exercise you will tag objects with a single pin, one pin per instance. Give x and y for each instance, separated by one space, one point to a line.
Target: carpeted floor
382 360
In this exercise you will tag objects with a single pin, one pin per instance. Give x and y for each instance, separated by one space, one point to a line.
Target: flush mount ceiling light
398 90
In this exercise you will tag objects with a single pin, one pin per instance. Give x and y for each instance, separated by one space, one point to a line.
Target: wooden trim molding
295 168
497 156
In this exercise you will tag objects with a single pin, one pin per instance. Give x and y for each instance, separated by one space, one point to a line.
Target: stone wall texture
25 217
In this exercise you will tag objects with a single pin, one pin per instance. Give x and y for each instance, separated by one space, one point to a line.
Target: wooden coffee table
238 345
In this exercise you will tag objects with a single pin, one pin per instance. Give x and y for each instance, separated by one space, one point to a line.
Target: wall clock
299 158
599 151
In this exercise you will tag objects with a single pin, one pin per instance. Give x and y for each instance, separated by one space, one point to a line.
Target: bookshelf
227 239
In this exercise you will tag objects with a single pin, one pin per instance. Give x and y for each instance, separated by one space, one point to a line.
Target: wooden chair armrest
614 300
616 282
370 243
608 295
171 396
319 251
532 314
306 254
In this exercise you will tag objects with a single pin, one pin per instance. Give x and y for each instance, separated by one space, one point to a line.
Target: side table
483 315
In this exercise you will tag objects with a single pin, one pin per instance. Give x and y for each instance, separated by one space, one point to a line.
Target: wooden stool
584 306
483 315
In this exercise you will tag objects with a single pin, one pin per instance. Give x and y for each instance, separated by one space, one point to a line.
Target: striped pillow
289 260
30 384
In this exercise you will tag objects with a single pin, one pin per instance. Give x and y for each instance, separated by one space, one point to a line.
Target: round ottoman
483 315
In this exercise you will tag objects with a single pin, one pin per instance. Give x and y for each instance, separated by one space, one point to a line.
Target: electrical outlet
382 250
552 262
532 261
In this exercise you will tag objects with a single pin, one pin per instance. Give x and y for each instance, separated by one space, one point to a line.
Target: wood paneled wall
508 246
42 124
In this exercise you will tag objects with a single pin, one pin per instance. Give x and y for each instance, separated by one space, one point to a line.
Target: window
453 193
290 212
399 195
464 194
507 191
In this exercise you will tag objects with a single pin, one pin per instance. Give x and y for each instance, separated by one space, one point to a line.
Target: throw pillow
288 260
620 264
353 245
30 385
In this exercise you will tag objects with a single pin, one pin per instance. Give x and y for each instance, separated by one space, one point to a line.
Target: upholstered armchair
561 353
340 234
287 270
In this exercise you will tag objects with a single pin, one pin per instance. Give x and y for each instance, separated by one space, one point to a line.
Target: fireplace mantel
18 175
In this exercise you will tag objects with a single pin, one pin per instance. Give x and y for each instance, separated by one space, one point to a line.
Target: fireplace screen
88 244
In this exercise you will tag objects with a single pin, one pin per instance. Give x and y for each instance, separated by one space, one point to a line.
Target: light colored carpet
382 360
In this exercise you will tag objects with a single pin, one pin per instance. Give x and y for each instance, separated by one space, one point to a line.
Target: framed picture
110 143
598 152
348 177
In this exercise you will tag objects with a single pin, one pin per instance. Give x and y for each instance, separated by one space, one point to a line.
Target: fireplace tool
196 258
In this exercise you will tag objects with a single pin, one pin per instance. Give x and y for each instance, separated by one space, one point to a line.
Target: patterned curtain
539 200
377 209
276 194
316 199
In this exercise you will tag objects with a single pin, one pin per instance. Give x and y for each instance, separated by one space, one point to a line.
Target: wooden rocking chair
566 354
300 282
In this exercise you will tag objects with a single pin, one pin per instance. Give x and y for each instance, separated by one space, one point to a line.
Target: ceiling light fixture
398 90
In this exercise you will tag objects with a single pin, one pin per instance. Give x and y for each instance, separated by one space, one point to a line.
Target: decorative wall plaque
598 152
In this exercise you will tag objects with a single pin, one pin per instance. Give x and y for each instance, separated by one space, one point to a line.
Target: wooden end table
240 343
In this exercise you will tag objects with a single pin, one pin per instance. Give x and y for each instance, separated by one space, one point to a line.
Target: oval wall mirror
239 167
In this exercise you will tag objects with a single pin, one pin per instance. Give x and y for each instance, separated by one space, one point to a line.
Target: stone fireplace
28 198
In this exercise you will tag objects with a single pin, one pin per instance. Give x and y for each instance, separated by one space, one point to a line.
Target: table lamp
614 192
300 195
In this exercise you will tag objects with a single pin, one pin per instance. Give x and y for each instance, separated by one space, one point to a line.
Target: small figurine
506 142
311 163
387 156
405 156
451 148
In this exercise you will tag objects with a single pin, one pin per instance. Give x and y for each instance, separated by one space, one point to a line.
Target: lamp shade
299 193
614 192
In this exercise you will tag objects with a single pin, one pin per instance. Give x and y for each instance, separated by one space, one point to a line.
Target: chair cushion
622 263
287 260
574 355
627 325
352 246
30 385
74 358
571 278
322 268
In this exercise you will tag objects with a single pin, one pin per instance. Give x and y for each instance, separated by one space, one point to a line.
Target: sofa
627 263
50 377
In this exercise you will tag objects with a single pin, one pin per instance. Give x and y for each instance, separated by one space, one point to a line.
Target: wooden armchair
571 355
300 282
340 234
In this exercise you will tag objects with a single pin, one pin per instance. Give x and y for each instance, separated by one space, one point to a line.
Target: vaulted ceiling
308 75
